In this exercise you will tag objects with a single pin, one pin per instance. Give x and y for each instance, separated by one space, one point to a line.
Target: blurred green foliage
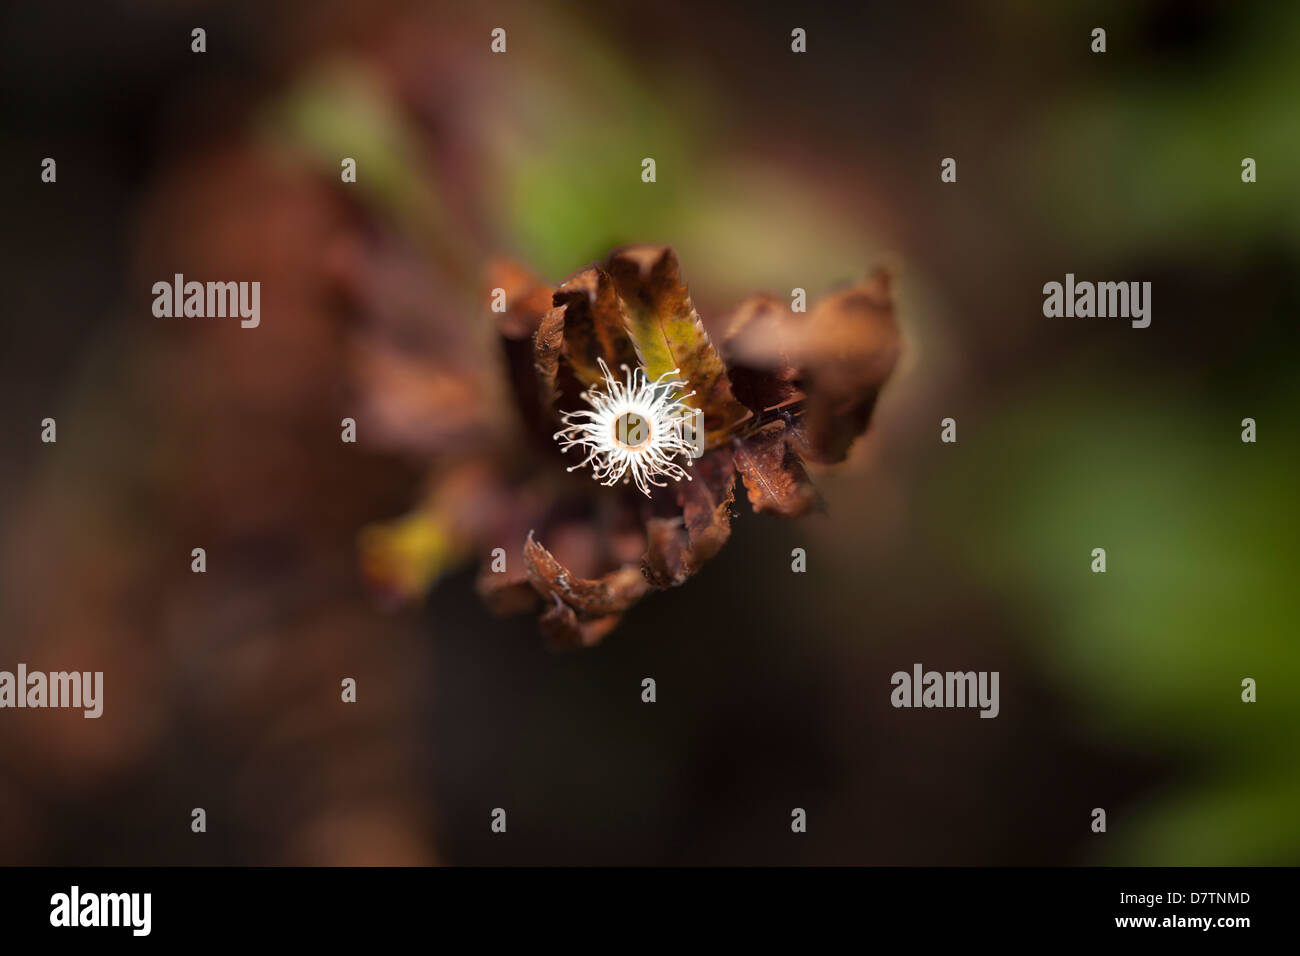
341 109
1140 161
740 221
1202 536
1147 153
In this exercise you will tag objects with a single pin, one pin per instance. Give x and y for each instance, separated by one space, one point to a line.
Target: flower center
631 430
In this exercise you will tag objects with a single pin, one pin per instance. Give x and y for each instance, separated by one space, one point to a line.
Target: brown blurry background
775 170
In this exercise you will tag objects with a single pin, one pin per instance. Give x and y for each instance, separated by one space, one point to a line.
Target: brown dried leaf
506 594
611 593
763 376
836 358
678 547
669 334
563 630
527 299
595 325
527 302
666 544
548 343
774 476
849 351
706 505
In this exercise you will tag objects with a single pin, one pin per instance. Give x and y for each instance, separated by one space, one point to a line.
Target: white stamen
633 430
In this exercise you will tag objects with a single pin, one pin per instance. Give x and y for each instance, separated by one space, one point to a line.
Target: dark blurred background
775 170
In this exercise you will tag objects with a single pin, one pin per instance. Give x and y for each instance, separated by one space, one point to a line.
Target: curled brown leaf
832 361
678 547
669 334
595 324
774 475
612 593
564 631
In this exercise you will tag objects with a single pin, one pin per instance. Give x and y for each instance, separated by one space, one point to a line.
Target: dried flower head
779 389
634 429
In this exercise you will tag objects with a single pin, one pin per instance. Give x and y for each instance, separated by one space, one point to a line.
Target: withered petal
563 630
706 505
829 364
594 324
611 593
850 348
665 557
548 343
774 476
676 548
506 594
756 349
669 334
527 298
527 301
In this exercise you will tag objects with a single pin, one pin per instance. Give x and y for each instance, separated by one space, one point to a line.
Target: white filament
597 430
